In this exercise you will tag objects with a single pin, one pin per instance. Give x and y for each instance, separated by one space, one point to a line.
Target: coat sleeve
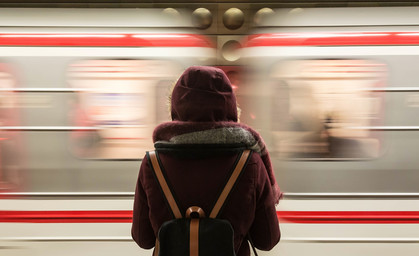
141 230
264 231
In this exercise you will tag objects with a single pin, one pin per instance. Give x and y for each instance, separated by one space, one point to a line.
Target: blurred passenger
198 149
84 143
11 150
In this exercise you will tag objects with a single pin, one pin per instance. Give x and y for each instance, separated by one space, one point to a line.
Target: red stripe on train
354 217
313 217
105 40
66 216
333 39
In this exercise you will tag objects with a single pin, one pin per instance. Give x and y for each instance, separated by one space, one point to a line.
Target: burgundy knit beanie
203 94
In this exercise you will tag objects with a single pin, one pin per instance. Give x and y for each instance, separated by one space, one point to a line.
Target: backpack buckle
194 211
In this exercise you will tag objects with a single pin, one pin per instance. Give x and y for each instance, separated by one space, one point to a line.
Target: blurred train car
334 91
81 91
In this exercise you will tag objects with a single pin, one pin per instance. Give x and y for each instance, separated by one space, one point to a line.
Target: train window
114 111
325 108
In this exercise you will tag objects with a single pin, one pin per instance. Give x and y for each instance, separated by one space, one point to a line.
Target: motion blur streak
66 216
115 40
346 38
337 217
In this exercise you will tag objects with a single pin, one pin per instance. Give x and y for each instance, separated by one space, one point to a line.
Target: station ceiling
174 3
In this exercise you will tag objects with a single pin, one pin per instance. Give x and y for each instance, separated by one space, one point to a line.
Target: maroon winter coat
198 150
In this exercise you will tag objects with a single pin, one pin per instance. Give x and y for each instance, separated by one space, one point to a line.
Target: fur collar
222 136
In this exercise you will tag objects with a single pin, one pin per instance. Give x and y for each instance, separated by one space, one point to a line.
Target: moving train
81 92
337 99
332 91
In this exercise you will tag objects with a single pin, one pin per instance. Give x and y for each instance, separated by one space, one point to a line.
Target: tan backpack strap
156 248
163 184
230 183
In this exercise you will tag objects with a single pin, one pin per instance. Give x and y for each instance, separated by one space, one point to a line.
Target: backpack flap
195 236
216 237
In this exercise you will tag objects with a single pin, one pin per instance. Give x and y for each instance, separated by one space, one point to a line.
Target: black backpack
194 234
